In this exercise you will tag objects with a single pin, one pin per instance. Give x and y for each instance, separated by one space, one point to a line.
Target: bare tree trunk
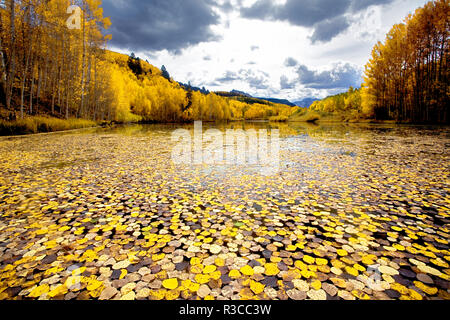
38 89
12 58
31 90
88 83
2 65
68 91
45 75
24 76
60 67
95 91
83 62
53 85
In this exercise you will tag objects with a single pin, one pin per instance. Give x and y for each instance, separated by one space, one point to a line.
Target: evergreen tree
165 73
134 63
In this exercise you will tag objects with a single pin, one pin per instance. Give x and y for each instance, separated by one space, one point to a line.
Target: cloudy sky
290 49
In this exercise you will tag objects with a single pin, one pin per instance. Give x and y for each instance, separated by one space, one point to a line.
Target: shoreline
47 133
112 124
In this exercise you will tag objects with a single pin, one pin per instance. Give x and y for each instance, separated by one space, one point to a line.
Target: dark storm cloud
363 4
326 17
341 76
226 6
143 25
328 29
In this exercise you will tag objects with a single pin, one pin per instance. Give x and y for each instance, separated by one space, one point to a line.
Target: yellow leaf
308 259
39 291
209 269
316 285
256 287
191 286
247 270
170 283
234 274
271 269
93 284
202 278
58 291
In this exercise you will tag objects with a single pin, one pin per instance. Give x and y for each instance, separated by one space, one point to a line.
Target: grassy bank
30 125
322 117
306 116
313 116
279 119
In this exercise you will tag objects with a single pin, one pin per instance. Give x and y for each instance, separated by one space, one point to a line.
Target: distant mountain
240 93
279 101
305 103
247 98
188 86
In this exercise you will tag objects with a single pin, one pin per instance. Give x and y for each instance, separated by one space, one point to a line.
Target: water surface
349 197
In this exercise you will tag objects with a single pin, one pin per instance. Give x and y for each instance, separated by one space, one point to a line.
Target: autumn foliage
407 78
152 97
46 64
49 68
347 104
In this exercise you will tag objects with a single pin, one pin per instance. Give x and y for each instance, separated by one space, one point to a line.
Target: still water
344 198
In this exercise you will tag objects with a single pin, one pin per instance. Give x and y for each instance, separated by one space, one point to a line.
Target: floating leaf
170 283
256 287
247 270
234 274
271 269
39 291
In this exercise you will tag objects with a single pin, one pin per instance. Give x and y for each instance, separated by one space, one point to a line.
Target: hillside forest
407 77
50 69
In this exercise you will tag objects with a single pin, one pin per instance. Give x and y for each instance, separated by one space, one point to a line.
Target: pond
349 211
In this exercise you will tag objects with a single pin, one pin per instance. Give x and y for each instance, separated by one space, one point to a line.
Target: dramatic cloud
225 6
255 79
269 47
229 76
341 76
142 25
326 17
328 29
286 84
290 62
359 5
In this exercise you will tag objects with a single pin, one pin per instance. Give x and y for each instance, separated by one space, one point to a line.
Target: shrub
279 119
31 125
310 116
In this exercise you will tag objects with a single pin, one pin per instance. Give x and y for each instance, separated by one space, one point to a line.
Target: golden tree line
48 67
407 78
347 103
46 64
151 97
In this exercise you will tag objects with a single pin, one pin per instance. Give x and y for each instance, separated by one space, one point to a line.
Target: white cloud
262 48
